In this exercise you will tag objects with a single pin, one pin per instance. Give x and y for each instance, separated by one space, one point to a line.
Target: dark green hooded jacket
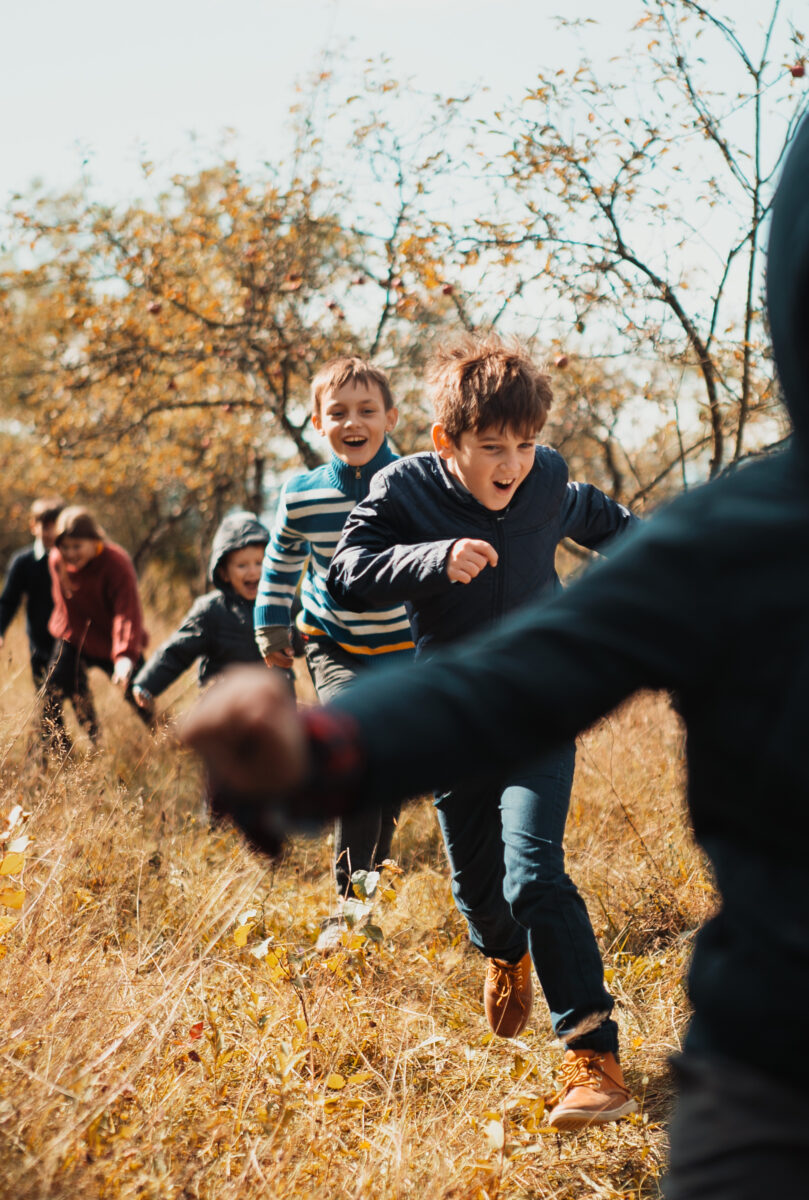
710 598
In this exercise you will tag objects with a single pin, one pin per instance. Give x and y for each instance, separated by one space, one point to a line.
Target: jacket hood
788 282
238 530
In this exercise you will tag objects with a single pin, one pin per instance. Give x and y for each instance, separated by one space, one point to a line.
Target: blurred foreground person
711 598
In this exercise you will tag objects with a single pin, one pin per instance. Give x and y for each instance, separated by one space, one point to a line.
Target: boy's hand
248 731
468 557
143 699
280 658
122 672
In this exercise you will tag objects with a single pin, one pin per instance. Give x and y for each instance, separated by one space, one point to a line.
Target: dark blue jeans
505 847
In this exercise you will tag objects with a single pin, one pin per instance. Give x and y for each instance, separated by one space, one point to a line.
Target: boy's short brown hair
483 381
46 509
349 368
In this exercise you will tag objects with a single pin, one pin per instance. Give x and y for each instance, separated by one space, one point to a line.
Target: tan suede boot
592 1091
508 995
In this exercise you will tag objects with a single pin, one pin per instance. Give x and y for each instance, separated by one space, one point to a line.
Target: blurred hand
248 731
143 699
280 658
1 639
121 672
468 557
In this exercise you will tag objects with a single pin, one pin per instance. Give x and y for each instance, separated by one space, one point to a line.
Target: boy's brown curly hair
483 381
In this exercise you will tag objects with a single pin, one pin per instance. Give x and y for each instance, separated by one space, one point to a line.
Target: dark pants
67 680
361 840
51 720
505 848
737 1134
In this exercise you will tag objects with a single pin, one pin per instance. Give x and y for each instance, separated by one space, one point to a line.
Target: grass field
168 1031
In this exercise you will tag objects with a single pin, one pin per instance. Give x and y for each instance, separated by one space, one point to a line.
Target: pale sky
94 86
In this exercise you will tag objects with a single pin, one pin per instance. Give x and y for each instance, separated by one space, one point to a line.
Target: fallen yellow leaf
12 897
12 864
335 1081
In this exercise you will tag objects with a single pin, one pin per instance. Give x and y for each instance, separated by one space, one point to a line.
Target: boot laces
507 977
585 1071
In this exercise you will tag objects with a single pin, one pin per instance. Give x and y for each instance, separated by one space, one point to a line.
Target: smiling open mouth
503 486
355 441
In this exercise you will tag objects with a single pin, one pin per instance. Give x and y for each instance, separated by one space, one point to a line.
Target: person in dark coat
29 578
711 599
218 628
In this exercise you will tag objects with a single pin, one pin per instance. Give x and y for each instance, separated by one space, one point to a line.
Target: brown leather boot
508 995
592 1091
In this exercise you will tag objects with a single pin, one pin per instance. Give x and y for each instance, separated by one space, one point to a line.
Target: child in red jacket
97 619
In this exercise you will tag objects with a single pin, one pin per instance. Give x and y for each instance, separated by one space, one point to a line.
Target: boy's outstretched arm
285 559
174 656
372 567
249 733
592 518
489 703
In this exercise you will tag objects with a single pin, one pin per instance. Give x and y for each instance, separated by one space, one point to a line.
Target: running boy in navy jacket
463 536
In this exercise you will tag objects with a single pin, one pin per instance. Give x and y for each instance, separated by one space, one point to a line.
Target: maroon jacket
102 616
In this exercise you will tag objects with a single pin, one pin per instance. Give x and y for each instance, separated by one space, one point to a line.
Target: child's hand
248 731
468 557
121 672
280 658
143 699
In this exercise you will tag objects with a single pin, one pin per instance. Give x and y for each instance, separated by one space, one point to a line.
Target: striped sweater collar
355 481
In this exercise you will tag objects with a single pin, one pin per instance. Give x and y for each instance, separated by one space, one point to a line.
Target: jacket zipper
499 573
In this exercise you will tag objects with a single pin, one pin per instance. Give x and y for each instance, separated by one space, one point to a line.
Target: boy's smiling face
354 421
490 463
242 570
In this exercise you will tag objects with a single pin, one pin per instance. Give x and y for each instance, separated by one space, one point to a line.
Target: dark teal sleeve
494 702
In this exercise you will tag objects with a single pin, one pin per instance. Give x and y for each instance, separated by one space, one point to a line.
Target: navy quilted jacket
396 543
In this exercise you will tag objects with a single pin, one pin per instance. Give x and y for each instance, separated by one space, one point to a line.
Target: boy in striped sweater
353 409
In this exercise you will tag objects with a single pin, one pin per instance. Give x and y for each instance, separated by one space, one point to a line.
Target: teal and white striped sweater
311 514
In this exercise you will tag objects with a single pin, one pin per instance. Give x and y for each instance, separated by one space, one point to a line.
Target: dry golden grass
146 1053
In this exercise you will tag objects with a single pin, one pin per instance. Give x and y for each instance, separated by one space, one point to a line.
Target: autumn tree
157 360
640 202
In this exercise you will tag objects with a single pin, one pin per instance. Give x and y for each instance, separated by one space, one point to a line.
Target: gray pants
736 1134
362 839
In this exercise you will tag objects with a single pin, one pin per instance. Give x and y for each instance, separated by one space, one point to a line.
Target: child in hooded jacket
218 628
